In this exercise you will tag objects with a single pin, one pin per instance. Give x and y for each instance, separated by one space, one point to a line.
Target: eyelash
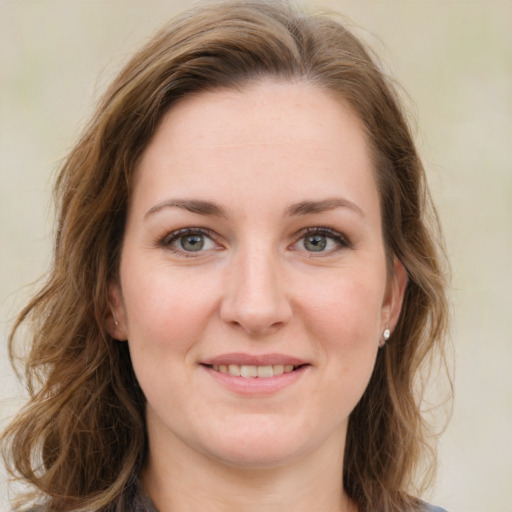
341 240
174 236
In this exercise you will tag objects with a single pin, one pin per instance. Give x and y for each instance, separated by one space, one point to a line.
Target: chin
256 456
263 445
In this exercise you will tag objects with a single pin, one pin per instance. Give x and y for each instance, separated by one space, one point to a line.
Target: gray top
146 505
136 500
143 504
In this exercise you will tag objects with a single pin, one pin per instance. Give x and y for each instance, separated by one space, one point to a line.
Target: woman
246 282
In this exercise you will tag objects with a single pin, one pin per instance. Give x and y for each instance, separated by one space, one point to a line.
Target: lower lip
256 385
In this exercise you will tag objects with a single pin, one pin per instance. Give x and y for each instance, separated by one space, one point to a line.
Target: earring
385 336
116 323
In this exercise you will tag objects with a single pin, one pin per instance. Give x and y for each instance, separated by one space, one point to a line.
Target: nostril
255 325
263 328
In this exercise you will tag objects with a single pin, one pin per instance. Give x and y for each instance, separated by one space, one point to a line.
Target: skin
255 156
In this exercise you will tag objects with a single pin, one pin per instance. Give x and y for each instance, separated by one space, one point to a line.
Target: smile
255 375
256 380
252 371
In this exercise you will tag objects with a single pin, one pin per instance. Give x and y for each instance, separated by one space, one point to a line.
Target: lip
255 386
253 359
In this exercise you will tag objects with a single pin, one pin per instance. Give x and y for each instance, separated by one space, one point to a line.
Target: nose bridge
255 296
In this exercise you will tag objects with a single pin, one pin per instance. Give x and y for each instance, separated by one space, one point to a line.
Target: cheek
165 311
346 310
165 318
345 320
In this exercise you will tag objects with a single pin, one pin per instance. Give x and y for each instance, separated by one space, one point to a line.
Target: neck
187 481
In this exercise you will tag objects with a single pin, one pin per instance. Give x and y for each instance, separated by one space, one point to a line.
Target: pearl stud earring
385 336
116 323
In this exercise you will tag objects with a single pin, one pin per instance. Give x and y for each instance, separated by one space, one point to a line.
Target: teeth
265 371
233 369
248 371
278 369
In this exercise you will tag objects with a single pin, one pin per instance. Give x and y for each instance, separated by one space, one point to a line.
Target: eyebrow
191 205
310 207
211 209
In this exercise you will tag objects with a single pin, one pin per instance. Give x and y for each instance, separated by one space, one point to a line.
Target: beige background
453 57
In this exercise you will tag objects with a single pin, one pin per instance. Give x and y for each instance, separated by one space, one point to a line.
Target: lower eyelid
173 236
338 238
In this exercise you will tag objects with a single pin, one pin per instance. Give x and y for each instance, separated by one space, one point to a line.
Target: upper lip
253 360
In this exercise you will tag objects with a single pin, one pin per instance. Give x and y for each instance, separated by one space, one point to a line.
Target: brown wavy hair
81 440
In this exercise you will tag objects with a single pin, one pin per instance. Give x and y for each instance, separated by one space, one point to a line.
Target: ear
116 317
394 297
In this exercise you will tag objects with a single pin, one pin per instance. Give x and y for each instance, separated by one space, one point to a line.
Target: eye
189 240
321 240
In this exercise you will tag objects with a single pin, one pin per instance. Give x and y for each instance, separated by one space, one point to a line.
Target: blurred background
454 59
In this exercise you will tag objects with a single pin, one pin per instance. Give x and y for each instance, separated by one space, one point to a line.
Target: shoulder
431 508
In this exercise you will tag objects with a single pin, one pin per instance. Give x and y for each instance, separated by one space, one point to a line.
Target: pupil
192 242
315 243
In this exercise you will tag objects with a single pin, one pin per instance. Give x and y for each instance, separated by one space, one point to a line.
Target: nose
254 296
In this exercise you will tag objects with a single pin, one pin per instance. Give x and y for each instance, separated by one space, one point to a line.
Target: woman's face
253 245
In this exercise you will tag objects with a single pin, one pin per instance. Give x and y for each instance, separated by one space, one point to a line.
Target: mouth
254 375
254 371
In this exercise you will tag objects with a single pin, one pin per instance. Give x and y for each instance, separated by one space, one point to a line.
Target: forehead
293 137
260 112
